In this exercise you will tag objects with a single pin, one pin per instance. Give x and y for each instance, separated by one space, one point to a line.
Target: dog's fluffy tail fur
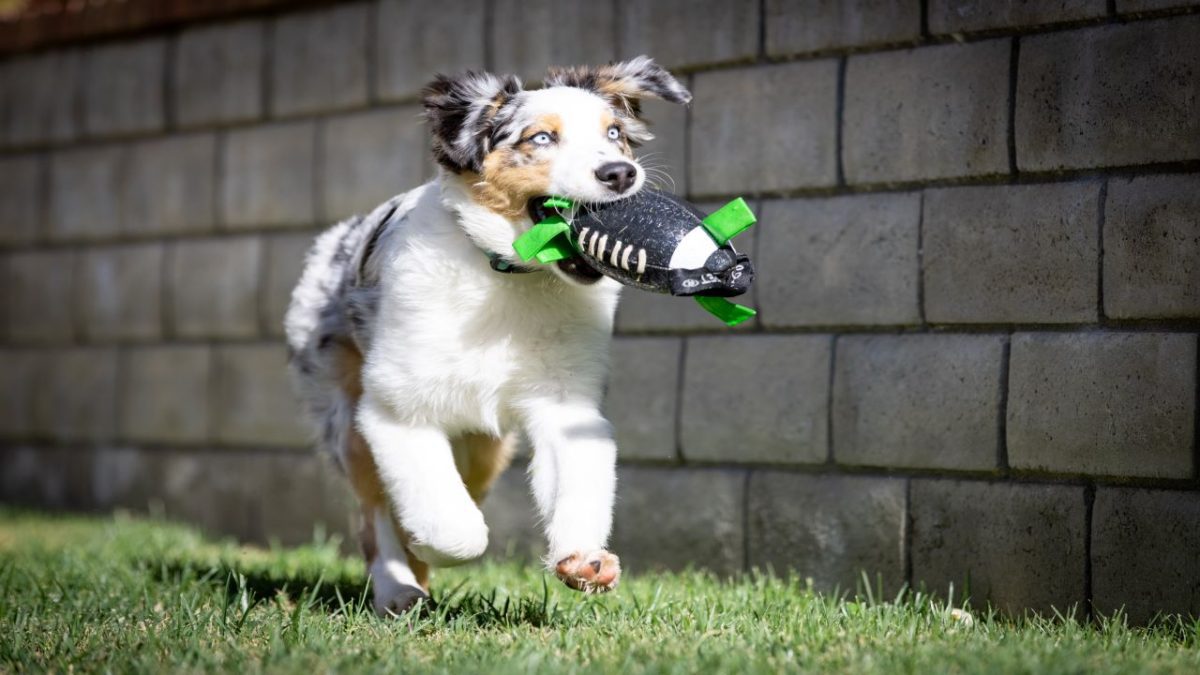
327 324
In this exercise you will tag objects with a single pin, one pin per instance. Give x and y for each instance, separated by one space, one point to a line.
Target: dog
421 345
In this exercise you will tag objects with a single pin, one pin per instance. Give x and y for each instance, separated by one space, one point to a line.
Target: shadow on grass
247 584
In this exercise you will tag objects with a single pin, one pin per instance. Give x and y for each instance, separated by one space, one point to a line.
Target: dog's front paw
595 572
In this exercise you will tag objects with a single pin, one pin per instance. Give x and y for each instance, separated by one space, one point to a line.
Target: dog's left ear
625 83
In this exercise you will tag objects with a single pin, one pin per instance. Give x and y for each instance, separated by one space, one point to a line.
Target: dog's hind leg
398 584
398 579
417 470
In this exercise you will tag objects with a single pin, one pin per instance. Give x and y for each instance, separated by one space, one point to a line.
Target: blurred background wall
979 274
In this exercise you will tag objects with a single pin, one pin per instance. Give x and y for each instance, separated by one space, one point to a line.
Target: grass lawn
130 595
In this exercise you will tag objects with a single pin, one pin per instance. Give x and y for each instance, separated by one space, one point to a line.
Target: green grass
129 595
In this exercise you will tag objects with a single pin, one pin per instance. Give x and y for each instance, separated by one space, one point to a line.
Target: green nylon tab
731 313
729 221
558 248
559 203
539 236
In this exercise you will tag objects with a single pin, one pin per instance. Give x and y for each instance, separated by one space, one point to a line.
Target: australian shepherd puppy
421 345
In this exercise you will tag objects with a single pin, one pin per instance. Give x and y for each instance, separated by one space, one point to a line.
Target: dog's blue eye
614 133
541 139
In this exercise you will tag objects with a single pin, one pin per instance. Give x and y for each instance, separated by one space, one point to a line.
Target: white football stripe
625 258
616 250
641 261
693 250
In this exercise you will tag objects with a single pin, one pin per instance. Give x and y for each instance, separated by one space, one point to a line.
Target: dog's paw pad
595 572
400 600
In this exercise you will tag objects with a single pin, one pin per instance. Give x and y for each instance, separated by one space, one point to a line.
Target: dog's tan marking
480 458
606 121
512 175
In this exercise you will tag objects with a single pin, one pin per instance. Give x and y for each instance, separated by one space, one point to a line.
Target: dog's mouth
574 267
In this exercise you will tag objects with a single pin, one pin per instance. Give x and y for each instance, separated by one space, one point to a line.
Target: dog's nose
618 176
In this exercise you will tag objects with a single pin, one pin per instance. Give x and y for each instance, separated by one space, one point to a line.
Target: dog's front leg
416 467
574 479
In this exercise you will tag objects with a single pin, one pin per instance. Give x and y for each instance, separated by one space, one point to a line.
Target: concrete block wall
975 359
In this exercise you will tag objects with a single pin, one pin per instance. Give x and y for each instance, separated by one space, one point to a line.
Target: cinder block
668 30
86 187
831 529
301 493
1152 247
77 400
164 394
120 292
964 16
267 176
254 403
676 518
213 286
253 495
665 157
1146 552
370 157
926 114
920 401
792 142
38 296
1012 253
218 74
512 519
46 477
123 87
40 94
1134 6
285 261
641 312
641 400
840 261
169 189
1119 404
411 44
578 33
21 372
1108 96
1015 546
756 399
21 198
798 26
319 60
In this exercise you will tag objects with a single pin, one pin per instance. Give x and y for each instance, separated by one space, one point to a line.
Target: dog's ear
463 111
623 83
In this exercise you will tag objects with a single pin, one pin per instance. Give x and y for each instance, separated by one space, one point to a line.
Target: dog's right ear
463 111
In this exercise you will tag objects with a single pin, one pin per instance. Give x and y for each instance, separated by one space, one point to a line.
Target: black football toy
652 241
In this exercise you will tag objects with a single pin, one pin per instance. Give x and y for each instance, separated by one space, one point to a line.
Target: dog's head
574 137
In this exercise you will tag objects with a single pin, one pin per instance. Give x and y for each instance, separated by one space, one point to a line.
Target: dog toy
652 241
